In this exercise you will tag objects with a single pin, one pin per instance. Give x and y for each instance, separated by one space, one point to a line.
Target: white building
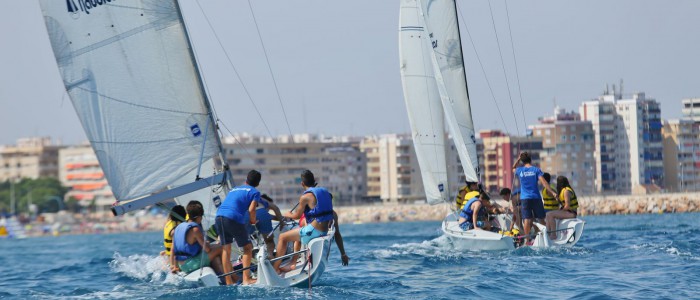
691 109
628 142
30 158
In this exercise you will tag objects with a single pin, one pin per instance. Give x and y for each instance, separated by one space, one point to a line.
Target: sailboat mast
200 83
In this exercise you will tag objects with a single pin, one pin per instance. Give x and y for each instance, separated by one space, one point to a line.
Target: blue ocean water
632 257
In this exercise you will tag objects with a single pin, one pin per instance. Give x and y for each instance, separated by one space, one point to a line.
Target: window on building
573 137
563 138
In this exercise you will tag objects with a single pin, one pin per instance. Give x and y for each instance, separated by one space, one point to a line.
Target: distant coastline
589 205
64 224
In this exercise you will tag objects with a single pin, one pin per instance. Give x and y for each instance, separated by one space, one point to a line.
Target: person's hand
566 207
345 259
206 247
174 269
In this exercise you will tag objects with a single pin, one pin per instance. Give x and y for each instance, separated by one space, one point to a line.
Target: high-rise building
337 163
395 167
30 158
80 171
500 151
681 155
628 143
567 144
691 109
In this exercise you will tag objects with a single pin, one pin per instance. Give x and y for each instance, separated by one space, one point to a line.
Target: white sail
128 69
425 111
441 22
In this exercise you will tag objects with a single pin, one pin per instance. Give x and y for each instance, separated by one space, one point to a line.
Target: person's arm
339 241
547 187
515 164
251 210
199 237
303 202
173 261
276 210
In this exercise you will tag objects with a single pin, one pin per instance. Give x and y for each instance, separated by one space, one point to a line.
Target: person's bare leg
282 245
527 223
226 263
550 223
215 262
247 257
270 244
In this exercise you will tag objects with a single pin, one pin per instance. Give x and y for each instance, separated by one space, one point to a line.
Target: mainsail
128 68
422 98
435 90
441 21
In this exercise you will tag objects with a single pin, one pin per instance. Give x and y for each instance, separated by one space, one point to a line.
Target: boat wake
150 268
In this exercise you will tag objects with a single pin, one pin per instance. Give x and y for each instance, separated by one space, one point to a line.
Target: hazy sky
338 61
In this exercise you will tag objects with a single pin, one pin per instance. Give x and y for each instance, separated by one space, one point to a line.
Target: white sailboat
435 91
131 74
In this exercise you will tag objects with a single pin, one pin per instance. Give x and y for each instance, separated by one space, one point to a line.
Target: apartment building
80 171
691 109
337 163
499 153
681 155
567 149
31 158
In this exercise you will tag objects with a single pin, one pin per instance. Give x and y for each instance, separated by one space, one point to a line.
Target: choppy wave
633 257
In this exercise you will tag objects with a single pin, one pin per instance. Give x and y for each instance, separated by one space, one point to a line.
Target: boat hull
476 240
569 232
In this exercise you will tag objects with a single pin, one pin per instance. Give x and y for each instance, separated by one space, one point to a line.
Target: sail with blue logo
448 63
129 70
423 104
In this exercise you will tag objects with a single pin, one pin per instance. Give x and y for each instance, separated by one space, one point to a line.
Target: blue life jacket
467 211
181 248
324 206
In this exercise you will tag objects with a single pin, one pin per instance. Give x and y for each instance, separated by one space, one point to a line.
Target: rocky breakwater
639 204
588 205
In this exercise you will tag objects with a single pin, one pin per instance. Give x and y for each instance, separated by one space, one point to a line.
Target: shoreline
379 213
588 205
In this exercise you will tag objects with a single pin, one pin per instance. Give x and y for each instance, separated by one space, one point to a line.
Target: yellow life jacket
167 239
573 202
461 201
550 202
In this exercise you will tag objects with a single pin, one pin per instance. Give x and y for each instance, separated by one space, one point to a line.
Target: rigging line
245 150
488 83
245 89
269 67
493 22
517 74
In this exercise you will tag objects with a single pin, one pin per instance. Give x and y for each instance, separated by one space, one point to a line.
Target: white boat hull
475 239
304 273
266 275
569 232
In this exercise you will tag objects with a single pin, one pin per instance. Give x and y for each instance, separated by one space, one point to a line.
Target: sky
336 63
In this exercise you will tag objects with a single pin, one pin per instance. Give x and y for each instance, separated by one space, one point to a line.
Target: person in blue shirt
530 197
316 203
231 223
